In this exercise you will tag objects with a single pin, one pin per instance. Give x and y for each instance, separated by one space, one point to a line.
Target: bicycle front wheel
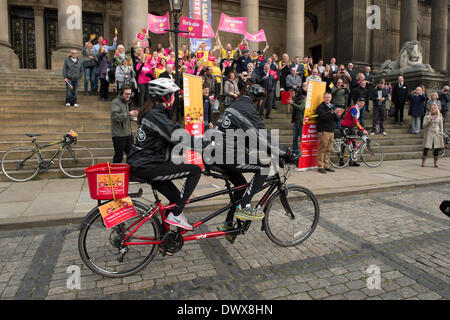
340 154
292 216
372 154
74 160
20 164
100 248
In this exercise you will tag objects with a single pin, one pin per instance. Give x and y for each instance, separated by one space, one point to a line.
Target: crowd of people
228 71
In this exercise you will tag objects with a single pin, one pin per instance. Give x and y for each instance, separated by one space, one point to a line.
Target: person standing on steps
72 73
122 136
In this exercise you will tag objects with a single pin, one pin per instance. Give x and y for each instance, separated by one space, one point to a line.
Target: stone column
39 30
408 21
134 18
439 31
9 61
250 9
70 34
296 28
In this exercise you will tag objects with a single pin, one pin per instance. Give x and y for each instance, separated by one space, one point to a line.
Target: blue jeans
415 125
89 76
94 87
297 133
72 92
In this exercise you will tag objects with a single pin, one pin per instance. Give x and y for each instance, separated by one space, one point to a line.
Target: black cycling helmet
256 92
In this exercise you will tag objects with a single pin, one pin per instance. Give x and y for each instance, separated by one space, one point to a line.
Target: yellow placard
117 211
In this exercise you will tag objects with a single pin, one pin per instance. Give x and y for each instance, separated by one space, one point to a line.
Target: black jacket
243 115
361 92
326 118
399 94
374 97
153 138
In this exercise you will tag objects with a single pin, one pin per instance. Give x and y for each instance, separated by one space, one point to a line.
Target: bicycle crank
172 243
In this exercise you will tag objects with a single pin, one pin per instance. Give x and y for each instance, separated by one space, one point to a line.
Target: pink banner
233 25
157 24
260 36
193 26
208 31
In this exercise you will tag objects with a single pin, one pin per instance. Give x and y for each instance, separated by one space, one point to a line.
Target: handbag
392 111
111 75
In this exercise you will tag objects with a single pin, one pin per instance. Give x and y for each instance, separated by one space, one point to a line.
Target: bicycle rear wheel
100 248
372 154
20 164
74 160
292 216
340 154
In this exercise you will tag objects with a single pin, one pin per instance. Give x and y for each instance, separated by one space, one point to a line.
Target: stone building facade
35 33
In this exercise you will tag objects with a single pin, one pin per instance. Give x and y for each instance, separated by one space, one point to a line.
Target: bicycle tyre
337 154
278 224
30 167
372 154
107 264
74 168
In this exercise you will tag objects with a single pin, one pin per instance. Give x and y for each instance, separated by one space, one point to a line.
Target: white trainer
179 221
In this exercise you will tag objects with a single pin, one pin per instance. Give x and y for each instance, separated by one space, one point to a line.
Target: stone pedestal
9 61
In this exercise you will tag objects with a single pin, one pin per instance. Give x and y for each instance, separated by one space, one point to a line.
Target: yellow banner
193 112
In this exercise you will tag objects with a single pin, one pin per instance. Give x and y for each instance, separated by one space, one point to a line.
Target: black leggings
435 152
161 176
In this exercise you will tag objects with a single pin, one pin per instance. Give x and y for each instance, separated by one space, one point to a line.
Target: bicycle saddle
33 135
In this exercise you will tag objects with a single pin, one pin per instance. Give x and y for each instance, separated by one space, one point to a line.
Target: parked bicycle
343 150
22 164
291 216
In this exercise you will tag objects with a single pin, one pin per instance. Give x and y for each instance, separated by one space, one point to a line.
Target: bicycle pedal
231 239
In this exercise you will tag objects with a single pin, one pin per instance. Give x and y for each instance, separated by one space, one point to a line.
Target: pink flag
193 26
208 31
157 24
260 36
233 25
140 36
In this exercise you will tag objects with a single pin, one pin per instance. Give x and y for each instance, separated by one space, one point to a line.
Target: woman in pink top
144 75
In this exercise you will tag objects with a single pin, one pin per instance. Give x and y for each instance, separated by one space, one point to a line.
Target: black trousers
435 152
121 145
104 89
161 176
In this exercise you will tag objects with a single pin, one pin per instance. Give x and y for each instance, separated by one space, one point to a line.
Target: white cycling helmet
162 87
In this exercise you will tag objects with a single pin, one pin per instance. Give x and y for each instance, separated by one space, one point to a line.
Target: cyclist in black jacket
244 115
150 156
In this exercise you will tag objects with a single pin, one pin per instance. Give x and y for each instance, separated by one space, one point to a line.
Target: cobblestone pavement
402 232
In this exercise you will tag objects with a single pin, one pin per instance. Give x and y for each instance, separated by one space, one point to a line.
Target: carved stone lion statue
410 59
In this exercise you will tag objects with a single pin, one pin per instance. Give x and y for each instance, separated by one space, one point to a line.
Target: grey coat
434 132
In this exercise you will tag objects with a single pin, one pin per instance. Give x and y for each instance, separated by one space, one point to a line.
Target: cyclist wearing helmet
351 121
150 156
243 114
